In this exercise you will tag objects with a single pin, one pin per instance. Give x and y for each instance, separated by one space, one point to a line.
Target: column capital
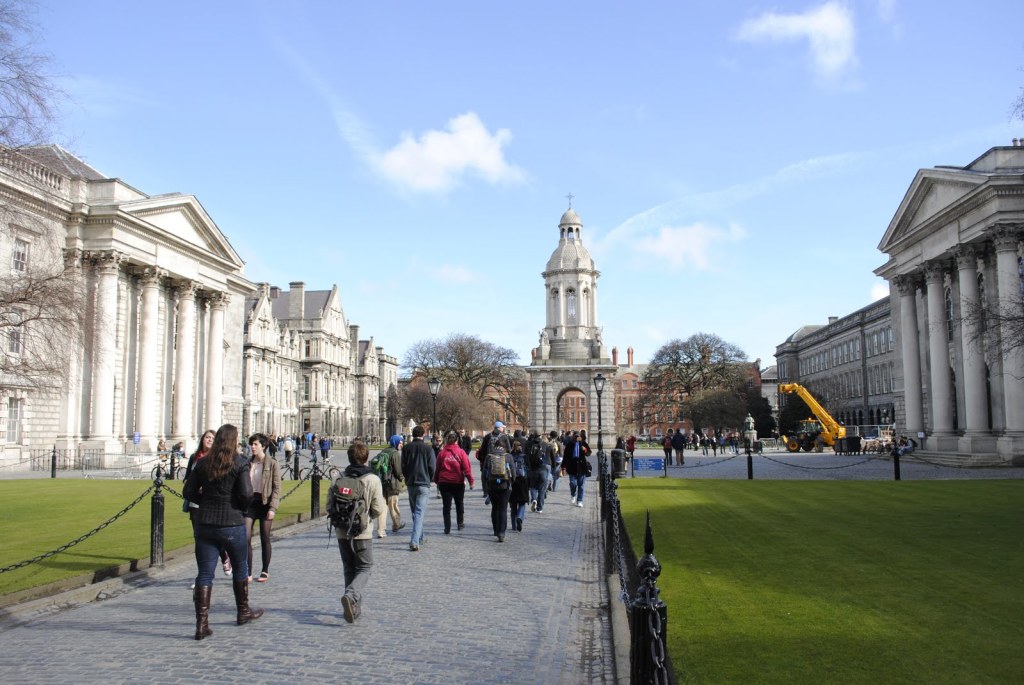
907 284
935 271
1006 236
72 258
966 256
152 275
106 261
186 289
216 298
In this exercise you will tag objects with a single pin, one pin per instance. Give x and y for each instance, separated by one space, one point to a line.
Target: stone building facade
571 352
848 365
955 263
175 338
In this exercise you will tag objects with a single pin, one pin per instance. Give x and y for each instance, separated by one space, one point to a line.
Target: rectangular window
634 385
583 417
19 256
305 388
583 401
14 340
572 417
13 419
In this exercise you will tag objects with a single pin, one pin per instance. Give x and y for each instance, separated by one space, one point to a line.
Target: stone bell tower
571 350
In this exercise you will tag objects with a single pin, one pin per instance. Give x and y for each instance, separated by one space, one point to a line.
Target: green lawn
37 516
838 582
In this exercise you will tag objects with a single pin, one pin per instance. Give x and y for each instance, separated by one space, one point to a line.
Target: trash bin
618 463
848 445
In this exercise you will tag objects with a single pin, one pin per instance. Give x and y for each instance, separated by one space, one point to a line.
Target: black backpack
535 456
347 507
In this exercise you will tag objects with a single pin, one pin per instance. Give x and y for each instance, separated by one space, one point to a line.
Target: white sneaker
533 505
579 504
572 501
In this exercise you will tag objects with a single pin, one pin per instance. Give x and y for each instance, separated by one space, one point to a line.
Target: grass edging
63 594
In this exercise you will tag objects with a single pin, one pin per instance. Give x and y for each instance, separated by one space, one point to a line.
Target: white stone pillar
938 350
184 362
910 346
146 396
975 394
215 360
1008 274
101 424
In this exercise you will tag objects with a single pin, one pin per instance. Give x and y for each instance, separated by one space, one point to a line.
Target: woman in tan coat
265 474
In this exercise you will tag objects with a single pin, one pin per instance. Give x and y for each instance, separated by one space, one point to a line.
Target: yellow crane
812 434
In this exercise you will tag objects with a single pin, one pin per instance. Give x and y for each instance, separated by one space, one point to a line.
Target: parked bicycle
322 466
162 469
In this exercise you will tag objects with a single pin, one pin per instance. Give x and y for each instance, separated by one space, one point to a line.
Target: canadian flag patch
345 491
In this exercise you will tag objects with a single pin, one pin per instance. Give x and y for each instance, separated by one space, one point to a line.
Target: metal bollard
53 463
648 620
170 475
295 469
896 464
156 526
314 495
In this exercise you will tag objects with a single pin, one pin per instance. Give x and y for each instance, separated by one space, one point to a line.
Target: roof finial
570 196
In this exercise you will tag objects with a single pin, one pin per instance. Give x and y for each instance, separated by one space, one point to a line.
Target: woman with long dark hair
221 487
205 444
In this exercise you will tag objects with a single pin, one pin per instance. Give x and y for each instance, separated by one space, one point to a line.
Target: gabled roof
314 302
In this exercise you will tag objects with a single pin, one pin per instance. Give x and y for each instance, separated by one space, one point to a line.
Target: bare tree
41 302
457 406
490 372
682 368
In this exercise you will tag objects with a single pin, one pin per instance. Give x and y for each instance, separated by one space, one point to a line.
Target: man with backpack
418 463
496 437
352 501
498 470
388 467
556 460
538 459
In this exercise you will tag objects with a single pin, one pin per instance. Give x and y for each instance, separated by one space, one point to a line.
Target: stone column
215 360
146 397
910 347
938 349
101 423
1007 237
975 400
184 361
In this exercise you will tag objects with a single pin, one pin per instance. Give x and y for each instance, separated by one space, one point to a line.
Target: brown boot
201 597
245 614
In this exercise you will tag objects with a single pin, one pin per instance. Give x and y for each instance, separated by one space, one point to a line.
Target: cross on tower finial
570 196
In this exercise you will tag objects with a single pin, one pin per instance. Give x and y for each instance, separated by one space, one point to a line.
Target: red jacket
453 466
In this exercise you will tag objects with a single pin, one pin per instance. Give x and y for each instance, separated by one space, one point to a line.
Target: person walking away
495 437
666 446
498 481
679 445
418 464
325 448
220 485
357 547
465 442
452 472
557 450
388 467
520 491
538 459
576 466
631 446
265 474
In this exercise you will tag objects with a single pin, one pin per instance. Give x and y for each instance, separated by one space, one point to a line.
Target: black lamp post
434 385
599 387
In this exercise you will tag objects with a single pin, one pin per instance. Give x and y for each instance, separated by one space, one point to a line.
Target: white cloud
878 291
828 29
687 246
437 160
449 273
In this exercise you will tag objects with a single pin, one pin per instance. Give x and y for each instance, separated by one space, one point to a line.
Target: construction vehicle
813 434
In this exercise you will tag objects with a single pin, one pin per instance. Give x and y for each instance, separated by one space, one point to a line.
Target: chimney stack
615 356
275 292
297 302
629 356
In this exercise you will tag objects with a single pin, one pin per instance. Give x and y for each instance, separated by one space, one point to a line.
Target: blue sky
735 165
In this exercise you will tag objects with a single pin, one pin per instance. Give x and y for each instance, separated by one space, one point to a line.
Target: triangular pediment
183 217
931 196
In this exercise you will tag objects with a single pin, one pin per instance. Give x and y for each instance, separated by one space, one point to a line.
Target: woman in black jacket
221 486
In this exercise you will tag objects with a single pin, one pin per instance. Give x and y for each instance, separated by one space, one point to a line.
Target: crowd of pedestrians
227 492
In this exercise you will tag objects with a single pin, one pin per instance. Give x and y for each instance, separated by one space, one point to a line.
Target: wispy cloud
453 273
878 291
828 30
438 160
435 161
687 246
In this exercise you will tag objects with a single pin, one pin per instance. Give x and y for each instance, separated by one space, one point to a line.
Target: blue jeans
209 542
576 486
539 486
556 473
418 496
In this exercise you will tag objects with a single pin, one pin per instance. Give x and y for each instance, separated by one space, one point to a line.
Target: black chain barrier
703 464
82 538
823 468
